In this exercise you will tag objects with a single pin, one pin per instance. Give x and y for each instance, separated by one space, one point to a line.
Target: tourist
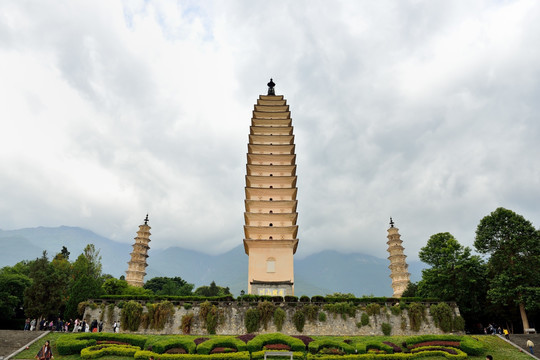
100 326
33 325
506 334
45 353
27 324
489 357
530 345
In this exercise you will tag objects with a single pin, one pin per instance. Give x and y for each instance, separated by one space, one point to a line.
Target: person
506 334
27 324
530 345
45 353
33 325
489 357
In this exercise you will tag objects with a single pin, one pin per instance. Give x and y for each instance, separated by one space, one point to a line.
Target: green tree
212 290
12 288
169 286
514 248
87 280
411 290
113 286
44 296
454 275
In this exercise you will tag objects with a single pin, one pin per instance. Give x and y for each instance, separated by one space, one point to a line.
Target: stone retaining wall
234 315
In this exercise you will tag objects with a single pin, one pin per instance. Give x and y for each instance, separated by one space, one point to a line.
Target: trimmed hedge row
145 355
229 342
297 355
161 345
98 351
258 342
74 343
258 298
315 346
467 344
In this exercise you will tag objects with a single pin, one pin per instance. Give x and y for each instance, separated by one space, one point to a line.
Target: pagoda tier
270 219
137 265
398 265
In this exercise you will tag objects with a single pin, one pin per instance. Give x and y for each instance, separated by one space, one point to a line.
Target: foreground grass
498 348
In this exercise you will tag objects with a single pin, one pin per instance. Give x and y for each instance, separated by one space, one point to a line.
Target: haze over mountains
321 273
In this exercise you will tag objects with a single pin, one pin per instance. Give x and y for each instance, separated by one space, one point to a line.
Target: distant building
137 265
398 266
270 217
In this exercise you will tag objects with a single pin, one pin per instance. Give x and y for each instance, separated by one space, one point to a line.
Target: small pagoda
398 266
137 265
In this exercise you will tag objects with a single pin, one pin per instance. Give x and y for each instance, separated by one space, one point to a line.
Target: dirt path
13 340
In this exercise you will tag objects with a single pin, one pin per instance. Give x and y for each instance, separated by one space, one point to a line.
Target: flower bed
98 351
258 342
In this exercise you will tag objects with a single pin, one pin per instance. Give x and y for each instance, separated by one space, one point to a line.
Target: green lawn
495 346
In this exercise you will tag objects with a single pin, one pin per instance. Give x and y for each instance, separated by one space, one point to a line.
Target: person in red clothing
45 353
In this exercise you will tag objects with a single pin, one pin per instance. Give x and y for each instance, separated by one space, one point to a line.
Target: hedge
297 355
206 347
74 343
145 355
259 341
161 345
472 346
315 346
98 351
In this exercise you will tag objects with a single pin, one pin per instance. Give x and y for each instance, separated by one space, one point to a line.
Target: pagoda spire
270 208
137 265
398 266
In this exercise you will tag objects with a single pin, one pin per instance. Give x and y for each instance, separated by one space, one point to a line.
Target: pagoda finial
391 222
146 220
271 87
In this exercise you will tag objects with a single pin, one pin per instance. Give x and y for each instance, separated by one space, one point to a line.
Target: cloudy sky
426 111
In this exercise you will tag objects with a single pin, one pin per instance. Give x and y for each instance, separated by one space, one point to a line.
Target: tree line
53 289
500 285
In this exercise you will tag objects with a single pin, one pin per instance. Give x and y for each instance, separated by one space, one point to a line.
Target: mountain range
322 273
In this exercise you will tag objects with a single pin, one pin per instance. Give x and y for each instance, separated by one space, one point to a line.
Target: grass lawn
495 346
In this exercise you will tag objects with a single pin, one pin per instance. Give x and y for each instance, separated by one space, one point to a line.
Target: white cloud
426 112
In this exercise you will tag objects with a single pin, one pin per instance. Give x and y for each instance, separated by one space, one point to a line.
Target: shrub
299 320
342 308
227 342
305 339
210 316
259 341
304 299
252 320
145 355
290 298
472 346
297 355
386 329
266 311
373 309
74 343
317 345
395 310
379 346
131 315
110 313
364 319
246 338
416 314
279 318
318 299
164 344
459 323
97 351
187 321
442 316
322 316
311 311
187 305
403 323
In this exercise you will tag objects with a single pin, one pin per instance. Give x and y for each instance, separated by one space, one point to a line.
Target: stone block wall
233 317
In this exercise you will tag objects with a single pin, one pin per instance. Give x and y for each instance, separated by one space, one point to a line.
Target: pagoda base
272 288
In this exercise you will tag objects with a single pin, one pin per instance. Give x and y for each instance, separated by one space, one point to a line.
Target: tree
212 290
514 246
114 286
12 288
411 290
455 275
86 280
169 286
44 296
